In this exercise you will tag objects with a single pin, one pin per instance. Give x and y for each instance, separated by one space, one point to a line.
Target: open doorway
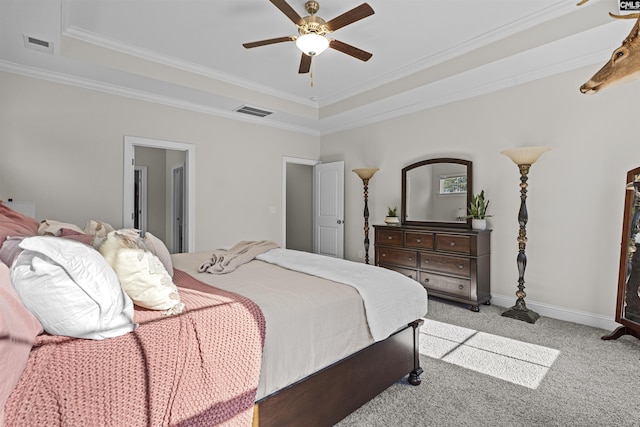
313 206
299 207
158 207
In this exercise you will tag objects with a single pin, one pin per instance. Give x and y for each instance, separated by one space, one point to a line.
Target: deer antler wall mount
624 63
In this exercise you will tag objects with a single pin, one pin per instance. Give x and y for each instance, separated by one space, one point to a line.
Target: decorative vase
479 224
392 220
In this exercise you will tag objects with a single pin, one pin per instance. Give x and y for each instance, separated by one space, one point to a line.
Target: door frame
174 196
130 142
298 161
142 198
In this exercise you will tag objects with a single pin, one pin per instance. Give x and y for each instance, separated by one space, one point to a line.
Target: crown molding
529 21
587 49
144 54
111 89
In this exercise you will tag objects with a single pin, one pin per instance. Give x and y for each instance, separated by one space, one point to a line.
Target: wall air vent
252 111
37 44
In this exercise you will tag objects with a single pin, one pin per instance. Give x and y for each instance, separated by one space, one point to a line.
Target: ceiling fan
313 29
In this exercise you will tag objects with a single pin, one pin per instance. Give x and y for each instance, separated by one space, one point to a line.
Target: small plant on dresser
392 216
478 211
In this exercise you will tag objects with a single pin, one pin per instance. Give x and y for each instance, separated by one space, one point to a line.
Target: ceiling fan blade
351 16
268 41
350 50
305 64
288 10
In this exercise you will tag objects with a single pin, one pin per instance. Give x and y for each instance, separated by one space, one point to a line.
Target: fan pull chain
311 78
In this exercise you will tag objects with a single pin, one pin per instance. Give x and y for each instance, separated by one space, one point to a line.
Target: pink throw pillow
18 330
14 223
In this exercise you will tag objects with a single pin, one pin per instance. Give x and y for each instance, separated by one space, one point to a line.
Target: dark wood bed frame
329 395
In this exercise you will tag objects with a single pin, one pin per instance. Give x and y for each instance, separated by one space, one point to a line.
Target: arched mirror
437 192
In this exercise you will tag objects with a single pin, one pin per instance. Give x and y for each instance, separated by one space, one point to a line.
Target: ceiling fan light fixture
312 44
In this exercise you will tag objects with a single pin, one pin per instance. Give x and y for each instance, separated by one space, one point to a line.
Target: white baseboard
561 313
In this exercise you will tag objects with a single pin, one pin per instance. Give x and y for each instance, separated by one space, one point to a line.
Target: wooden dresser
450 263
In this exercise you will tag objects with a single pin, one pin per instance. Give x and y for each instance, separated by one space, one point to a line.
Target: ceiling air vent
37 44
252 111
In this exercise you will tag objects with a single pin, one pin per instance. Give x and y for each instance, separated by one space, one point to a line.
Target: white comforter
312 322
382 290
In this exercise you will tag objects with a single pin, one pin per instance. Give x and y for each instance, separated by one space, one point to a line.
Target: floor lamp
524 157
365 175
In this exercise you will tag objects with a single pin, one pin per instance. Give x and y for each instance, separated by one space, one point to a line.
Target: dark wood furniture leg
331 394
622 330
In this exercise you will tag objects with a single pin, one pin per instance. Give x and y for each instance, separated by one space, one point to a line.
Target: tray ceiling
189 53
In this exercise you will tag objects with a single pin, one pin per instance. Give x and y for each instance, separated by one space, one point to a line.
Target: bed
278 340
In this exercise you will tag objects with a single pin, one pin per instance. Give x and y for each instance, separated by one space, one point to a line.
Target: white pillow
142 275
99 230
71 289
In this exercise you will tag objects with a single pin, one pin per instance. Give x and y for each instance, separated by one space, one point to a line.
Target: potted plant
392 216
478 211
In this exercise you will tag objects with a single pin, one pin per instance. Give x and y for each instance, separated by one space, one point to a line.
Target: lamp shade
525 155
312 44
365 173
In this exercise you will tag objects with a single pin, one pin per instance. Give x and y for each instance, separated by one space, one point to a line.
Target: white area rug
504 358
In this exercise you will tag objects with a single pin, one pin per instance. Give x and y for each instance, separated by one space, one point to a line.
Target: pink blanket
199 368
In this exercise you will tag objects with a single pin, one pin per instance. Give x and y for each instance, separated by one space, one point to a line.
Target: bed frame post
414 376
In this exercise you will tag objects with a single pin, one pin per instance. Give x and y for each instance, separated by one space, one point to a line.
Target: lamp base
525 314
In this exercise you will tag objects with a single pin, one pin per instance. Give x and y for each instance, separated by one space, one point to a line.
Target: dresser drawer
389 237
453 243
397 257
418 240
445 284
445 264
411 274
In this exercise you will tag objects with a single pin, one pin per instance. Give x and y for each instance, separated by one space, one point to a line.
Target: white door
328 209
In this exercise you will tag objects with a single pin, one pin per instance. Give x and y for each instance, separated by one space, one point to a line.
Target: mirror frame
631 218
454 224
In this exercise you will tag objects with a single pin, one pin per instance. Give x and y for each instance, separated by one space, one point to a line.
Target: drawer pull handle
418 240
426 261
426 280
384 254
461 266
390 237
410 259
461 287
452 243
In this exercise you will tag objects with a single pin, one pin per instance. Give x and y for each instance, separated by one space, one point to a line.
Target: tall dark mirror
437 192
628 302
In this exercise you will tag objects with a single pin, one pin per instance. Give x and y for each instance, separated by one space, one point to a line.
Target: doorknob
340 222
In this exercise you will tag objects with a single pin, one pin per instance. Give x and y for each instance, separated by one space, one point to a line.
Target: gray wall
62 148
155 160
299 207
576 190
